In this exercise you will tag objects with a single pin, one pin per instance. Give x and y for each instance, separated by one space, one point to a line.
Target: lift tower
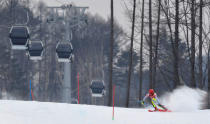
72 16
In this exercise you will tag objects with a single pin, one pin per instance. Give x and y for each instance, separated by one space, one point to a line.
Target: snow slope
184 102
23 112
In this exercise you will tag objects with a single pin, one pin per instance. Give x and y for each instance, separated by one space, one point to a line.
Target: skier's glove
142 102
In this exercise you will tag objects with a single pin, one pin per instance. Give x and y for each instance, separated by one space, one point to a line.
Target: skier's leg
153 104
162 106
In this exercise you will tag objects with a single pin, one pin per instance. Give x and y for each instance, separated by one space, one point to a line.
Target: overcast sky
100 7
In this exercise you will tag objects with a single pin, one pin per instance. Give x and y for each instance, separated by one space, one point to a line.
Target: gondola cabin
35 50
64 52
19 37
97 88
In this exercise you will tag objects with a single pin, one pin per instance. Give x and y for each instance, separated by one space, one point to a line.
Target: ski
159 110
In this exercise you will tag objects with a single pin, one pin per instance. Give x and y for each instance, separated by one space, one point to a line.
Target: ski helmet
151 92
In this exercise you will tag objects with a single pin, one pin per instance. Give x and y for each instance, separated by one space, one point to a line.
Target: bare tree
111 54
150 45
200 45
156 45
131 53
174 42
141 50
193 84
176 55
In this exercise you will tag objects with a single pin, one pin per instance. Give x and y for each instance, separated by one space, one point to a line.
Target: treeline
172 39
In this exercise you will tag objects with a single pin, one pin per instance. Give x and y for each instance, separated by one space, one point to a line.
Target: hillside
25 112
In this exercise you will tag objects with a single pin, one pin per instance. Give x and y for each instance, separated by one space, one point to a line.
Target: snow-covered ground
25 112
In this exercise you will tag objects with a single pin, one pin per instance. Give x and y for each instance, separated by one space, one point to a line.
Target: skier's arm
157 100
147 95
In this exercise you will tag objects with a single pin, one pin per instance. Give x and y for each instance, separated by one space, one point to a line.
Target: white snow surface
184 102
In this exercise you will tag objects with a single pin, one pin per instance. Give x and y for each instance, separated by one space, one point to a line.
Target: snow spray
183 99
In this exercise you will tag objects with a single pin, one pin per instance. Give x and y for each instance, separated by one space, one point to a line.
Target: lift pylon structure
72 16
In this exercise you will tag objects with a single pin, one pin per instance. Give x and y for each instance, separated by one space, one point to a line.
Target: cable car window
19 41
64 52
35 49
19 32
36 46
97 88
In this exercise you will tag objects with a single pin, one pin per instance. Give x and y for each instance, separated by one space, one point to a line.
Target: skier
154 100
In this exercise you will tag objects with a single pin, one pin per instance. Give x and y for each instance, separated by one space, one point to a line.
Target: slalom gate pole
31 96
78 86
113 102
